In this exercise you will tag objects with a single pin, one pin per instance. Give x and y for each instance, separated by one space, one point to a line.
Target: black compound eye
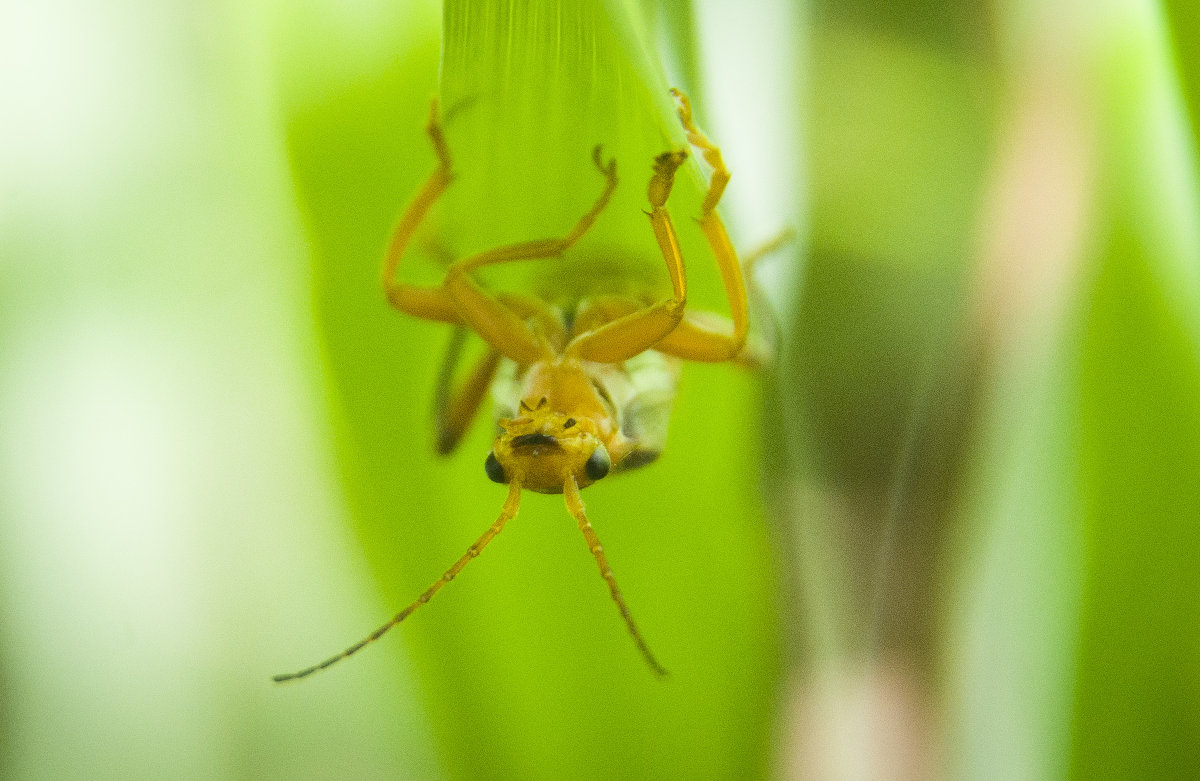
495 472
598 464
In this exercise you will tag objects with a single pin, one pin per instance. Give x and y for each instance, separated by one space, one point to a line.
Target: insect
584 391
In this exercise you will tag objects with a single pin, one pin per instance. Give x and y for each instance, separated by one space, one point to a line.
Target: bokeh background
953 533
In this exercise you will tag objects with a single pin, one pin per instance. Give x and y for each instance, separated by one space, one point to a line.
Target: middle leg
638 331
454 407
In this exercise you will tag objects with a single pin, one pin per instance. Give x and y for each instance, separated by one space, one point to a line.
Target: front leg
499 325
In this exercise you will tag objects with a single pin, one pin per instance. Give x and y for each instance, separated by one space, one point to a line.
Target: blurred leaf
899 141
1079 652
1138 701
1183 24
1013 625
874 381
875 387
951 25
1137 711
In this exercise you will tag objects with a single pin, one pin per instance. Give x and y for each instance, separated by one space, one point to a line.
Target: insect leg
430 303
770 247
634 333
507 514
710 151
575 506
455 408
501 327
709 338
701 334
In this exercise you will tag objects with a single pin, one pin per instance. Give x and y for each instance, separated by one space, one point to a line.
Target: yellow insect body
579 394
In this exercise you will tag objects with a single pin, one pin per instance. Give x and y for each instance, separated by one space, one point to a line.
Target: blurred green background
953 533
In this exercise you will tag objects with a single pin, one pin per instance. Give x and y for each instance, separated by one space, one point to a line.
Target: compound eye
598 463
495 472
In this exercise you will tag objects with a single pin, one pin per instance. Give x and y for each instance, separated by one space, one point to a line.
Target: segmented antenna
575 506
510 510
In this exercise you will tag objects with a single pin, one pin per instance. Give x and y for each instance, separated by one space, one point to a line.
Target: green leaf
524 663
1137 711
1183 25
1138 700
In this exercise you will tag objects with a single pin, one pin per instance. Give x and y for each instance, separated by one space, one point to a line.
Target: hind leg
704 336
429 303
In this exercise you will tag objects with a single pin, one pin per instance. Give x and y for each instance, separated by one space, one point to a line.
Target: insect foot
609 169
683 106
665 166
668 162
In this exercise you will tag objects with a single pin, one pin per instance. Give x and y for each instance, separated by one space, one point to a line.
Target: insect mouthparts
526 440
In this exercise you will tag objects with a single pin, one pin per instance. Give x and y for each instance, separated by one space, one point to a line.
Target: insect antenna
510 510
575 506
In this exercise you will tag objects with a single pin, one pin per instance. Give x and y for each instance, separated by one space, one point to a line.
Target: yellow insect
587 392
